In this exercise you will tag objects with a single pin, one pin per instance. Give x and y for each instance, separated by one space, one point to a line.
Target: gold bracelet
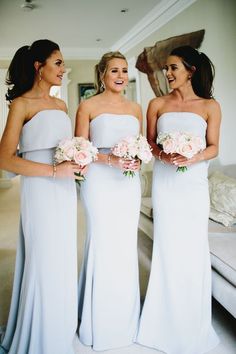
54 173
159 156
109 160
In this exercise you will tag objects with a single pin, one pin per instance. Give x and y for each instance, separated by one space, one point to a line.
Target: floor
224 323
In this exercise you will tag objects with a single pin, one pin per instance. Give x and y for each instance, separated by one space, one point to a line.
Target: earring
40 75
102 86
190 77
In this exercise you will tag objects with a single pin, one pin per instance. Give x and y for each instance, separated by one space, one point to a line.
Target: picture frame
85 90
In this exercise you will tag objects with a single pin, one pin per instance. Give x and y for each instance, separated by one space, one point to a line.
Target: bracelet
159 156
54 173
109 160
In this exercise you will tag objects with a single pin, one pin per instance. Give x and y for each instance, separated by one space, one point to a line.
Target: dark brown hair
203 76
21 72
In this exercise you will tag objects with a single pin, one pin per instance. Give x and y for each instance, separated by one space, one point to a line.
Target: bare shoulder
135 106
158 102
85 106
137 110
156 106
213 108
89 103
212 104
61 104
19 109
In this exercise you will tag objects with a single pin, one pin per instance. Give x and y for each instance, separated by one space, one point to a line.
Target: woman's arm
213 131
10 140
212 137
153 114
139 115
152 117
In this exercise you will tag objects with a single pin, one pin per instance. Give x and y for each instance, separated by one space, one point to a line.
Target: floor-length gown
176 316
43 312
109 302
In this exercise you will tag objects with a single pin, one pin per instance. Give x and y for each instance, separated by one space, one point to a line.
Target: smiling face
176 73
116 75
54 68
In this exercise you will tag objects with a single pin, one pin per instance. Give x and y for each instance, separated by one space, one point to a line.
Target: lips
119 82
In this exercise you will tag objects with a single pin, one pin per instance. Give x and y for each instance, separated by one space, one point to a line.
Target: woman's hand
181 161
68 169
168 158
131 165
124 164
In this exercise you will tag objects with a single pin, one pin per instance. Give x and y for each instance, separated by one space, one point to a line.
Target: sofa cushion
222 218
215 227
146 206
222 191
223 254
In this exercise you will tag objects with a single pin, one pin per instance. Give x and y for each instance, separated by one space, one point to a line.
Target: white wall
82 71
218 18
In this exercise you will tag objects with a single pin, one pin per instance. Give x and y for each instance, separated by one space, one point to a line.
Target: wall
217 17
82 71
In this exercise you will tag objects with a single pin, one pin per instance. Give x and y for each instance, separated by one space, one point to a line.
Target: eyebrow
115 67
60 60
173 64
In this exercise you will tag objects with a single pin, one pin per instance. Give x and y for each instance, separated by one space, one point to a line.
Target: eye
125 71
114 70
58 62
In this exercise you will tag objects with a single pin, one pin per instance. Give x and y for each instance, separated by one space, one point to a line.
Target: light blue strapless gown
43 313
109 300
176 316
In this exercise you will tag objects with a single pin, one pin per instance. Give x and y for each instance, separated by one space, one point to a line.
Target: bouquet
76 149
133 147
183 143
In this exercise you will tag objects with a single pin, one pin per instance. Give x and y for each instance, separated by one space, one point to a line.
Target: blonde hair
101 68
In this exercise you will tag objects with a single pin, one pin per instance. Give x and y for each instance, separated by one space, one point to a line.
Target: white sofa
222 242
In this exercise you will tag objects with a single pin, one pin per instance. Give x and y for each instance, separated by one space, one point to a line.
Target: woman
176 316
108 288
43 309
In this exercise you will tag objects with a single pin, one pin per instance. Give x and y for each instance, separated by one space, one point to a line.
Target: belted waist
104 150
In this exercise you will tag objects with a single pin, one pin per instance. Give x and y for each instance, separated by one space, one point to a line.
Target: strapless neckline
114 114
184 112
44 110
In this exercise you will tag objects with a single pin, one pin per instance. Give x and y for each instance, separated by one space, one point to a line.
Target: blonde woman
109 286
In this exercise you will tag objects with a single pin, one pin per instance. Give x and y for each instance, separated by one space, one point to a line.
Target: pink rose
169 146
132 150
82 157
186 149
68 153
82 143
120 149
145 155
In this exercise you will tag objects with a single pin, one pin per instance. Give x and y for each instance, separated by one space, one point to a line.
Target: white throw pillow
222 218
222 191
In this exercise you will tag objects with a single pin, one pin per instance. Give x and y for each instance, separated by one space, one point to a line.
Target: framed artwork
85 91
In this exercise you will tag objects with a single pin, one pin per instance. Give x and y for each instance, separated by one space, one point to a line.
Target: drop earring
102 87
40 75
